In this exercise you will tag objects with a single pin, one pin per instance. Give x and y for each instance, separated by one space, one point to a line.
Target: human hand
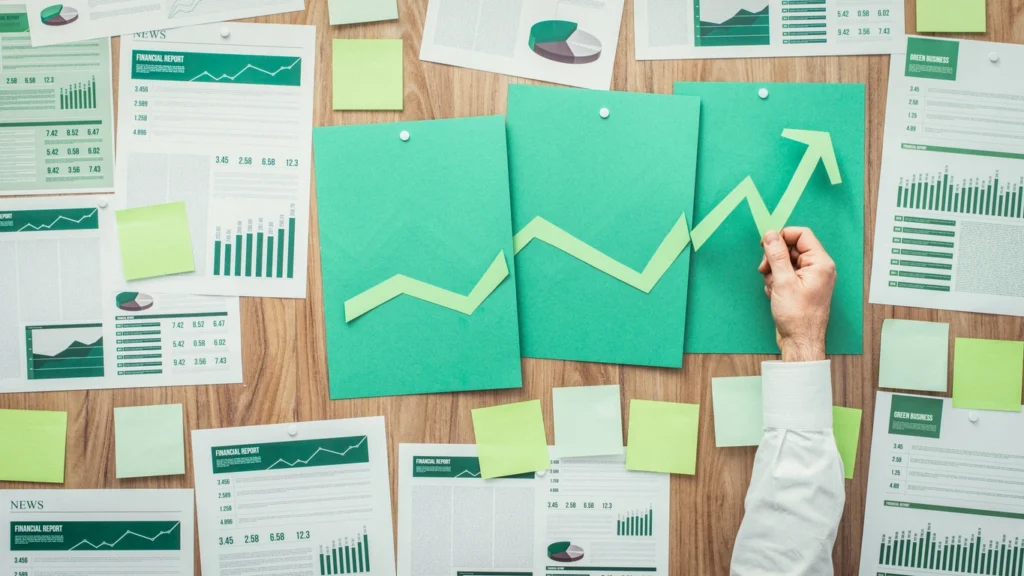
798 278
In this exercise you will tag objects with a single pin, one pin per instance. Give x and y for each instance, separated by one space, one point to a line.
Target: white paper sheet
584 516
66 323
288 499
358 11
943 492
685 29
569 42
59 23
949 231
97 532
225 124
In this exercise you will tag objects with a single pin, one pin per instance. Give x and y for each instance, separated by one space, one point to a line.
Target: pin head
993 57
973 416
604 113
293 430
763 93
225 32
101 203
404 135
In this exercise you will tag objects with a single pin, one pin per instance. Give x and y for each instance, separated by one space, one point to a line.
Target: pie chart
134 301
58 15
565 552
563 41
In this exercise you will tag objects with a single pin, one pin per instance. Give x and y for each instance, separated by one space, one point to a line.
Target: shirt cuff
797 395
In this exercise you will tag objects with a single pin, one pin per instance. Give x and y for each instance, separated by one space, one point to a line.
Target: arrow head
819 143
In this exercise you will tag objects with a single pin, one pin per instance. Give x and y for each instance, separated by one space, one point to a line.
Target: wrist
802 350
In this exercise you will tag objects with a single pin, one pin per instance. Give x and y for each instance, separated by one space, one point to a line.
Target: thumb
776 251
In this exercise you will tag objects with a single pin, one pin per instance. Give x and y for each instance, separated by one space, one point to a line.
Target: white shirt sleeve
797 492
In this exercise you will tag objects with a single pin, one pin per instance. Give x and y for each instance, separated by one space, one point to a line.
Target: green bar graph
640 523
959 554
270 261
988 196
79 96
347 556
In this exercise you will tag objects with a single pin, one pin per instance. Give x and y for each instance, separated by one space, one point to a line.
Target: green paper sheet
601 208
358 11
149 441
742 136
846 429
588 421
914 355
33 446
510 439
367 75
662 437
988 374
739 415
434 209
154 241
951 15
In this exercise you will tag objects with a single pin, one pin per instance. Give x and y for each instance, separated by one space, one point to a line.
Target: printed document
949 231
944 493
584 516
226 125
97 532
568 42
288 499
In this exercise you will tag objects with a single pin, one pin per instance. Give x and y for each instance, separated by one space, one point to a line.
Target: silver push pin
225 32
102 203
404 135
542 473
973 417
993 57
293 430
763 93
604 113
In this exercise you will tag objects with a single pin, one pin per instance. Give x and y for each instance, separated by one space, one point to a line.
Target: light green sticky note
846 429
950 15
358 11
739 417
149 441
987 374
367 74
662 437
914 355
155 241
588 421
510 439
33 444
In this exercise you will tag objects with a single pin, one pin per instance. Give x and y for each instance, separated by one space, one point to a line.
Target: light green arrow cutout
401 284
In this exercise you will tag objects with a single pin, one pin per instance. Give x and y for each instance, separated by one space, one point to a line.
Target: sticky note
33 445
914 355
950 15
358 11
588 421
846 429
741 137
367 74
149 441
435 210
602 274
988 374
739 417
662 437
510 439
155 241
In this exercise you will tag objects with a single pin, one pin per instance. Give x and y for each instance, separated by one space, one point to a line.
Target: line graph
217 68
467 474
197 8
97 535
57 221
314 455
127 533
233 77
61 219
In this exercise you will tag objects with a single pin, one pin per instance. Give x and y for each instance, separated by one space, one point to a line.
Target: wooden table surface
284 354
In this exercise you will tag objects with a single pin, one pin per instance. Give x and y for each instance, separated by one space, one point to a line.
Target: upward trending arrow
819 148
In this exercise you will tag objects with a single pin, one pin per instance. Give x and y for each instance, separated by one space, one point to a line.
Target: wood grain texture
284 352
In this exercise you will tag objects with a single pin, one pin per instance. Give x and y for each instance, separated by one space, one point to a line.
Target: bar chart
346 556
638 523
79 96
959 554
945 192
256 248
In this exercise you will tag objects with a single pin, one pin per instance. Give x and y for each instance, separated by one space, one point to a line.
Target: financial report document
570 42
944 493
66 323
310 498
225 125
685 29
59 23
949 230
97 532
56 112
584 516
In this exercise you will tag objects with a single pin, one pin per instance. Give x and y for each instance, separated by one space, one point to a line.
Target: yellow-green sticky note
155 241
367 74
510 439
662 437
987 374
846 429
149 441
33 444
950 15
